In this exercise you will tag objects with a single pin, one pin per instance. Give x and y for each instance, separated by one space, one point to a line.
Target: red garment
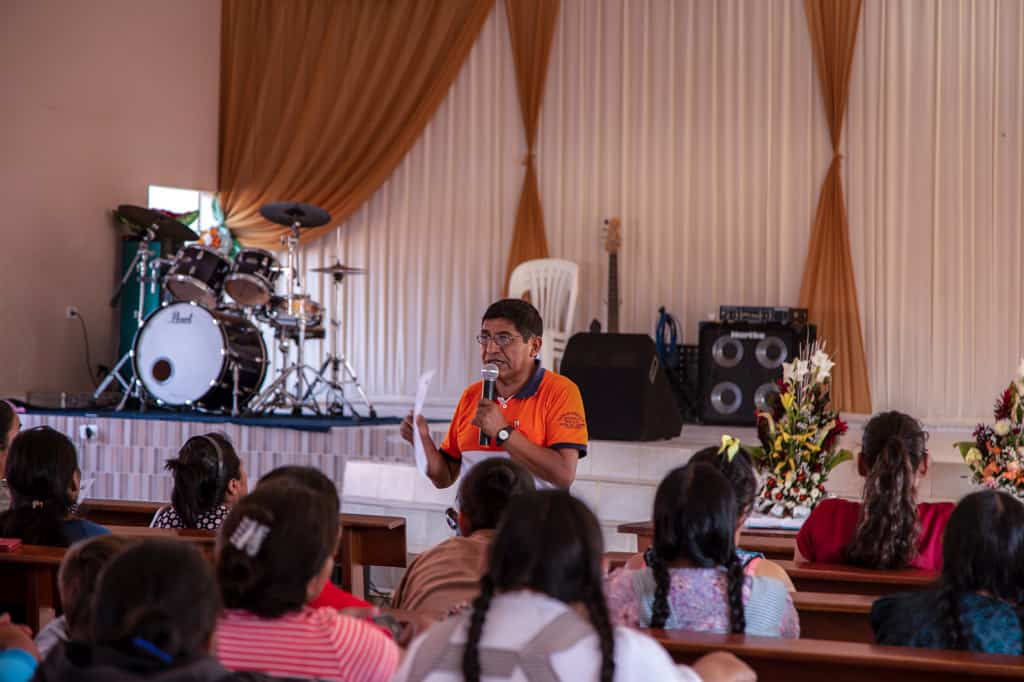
320 643
337 598
832 524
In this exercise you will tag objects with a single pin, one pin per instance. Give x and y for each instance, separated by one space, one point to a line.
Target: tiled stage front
374 467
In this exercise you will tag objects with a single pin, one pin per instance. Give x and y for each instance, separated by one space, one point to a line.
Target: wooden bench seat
366 540
840 617
810 660
28 579
774 544
837 578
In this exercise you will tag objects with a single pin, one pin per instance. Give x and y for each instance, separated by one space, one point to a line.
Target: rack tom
197 275
253 276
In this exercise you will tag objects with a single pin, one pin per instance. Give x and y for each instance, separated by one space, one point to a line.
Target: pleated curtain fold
321 99
828 289
531 26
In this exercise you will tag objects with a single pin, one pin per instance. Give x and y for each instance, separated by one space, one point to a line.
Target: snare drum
185 354
197 275
252 278
279 313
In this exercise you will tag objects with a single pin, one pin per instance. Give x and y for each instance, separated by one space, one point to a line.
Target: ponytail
737 617
597 609
41 467
35 524
887 531
659 609
949 608
471 654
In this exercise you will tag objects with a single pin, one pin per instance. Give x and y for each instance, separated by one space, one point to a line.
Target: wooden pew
810 660
774 544
28 578
836 578
365 540
840 617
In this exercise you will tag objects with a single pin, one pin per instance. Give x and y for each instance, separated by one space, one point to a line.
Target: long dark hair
40 471
892 450
982 551
695 520
7 417
301 533
486 490
202 470
739 471
157 593
548 542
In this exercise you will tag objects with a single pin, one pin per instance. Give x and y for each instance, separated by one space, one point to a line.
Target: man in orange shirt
537 418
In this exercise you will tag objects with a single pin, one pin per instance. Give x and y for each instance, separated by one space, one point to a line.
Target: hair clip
153 650
249 536
38 504
730 446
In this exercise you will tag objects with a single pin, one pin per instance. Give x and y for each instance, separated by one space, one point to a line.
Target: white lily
801 370
823 363
787 372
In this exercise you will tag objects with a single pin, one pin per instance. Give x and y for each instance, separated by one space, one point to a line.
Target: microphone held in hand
489 372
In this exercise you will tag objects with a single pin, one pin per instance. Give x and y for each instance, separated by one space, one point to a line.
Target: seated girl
275 552
43 477
208 478
155 608
696 580
541 602
888 529
977 604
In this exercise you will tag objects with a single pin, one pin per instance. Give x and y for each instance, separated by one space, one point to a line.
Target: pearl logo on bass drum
179 318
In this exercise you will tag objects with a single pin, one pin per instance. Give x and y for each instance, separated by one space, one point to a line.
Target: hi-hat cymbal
339 269
289 213
166 227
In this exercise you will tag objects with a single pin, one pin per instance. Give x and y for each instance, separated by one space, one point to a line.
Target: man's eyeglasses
502 339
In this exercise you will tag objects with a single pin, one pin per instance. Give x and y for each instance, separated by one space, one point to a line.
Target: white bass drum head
179 353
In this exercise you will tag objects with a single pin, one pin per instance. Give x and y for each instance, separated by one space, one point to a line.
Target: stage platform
374 468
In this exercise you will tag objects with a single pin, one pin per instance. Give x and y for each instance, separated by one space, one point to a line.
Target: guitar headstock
613 235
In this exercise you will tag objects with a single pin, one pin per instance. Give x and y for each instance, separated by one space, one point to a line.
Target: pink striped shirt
318 643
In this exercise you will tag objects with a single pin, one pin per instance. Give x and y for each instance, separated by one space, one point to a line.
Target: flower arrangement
996 455
799 437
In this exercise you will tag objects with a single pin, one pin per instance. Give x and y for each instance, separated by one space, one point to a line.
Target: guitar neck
613 293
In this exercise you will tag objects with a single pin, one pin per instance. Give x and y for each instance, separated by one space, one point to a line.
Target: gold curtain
321 99
531 26
828 289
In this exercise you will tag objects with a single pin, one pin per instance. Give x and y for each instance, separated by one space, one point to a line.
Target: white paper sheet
422 387
83 489
768 522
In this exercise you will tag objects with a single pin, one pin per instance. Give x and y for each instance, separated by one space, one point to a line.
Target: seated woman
977 604
78 575
888 529
275 552
317 481
10 424
447 577
43 476
739 469
541 603
696 580
156 606
208 478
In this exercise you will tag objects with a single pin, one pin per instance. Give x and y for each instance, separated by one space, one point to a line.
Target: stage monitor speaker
740 364
626 393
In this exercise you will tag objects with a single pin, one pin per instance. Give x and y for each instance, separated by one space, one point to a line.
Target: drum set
204 347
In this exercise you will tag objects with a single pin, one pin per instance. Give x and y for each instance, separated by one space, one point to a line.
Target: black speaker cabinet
626 393
739 365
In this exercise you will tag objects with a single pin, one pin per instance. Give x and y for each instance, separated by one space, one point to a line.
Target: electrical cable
88 351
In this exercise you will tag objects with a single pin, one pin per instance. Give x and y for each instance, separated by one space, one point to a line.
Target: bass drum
183 356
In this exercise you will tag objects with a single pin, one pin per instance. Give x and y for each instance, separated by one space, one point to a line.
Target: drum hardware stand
131 388
338 363
277 393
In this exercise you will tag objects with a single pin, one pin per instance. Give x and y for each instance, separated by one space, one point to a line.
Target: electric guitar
612 242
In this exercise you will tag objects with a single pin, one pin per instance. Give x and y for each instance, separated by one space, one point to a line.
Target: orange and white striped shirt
318 643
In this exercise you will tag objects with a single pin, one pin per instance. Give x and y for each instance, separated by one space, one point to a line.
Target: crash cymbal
166 227
289 213
339 269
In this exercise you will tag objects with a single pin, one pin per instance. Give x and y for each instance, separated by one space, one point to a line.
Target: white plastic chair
553 284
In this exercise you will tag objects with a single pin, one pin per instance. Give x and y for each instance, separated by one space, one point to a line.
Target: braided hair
973 561
547 542
695 521
892 451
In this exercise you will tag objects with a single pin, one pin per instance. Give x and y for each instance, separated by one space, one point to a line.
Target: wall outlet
88 431
71 312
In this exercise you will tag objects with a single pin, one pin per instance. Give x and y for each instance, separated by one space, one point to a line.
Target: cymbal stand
131 388
342 372
277 393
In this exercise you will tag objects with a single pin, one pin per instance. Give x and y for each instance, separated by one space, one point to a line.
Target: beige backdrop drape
321 99
531 27
829 289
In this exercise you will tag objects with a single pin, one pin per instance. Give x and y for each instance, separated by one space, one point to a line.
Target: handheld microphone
490 374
